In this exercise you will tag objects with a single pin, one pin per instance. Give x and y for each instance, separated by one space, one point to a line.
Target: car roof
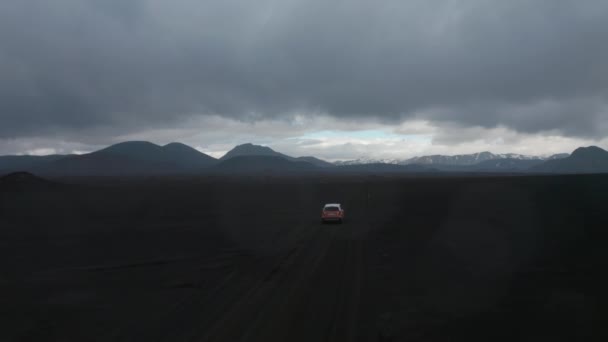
332 205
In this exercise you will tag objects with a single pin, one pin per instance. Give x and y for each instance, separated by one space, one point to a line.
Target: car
332 212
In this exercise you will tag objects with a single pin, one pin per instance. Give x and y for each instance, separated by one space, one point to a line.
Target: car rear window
331 209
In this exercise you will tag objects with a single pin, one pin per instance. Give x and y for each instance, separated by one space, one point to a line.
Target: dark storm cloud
74 66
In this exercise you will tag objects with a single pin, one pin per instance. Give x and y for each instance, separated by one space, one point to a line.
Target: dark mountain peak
590 159
590 151
178 145
250 149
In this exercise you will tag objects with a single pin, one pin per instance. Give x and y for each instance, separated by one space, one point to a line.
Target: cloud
91 72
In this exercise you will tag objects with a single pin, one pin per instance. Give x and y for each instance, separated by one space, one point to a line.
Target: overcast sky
335 79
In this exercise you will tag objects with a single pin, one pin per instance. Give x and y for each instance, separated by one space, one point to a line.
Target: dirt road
310 291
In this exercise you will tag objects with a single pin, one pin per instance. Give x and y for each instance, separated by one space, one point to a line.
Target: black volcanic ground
215 258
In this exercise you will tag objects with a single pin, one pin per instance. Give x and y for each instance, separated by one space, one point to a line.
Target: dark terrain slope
185 156
24 181
313 160
505 165
257 163
379 168
10 164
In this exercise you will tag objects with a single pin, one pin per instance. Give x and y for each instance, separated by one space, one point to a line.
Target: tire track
260 304
215 293
311 291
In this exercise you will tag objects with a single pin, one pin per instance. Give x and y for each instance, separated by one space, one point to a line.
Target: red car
332 212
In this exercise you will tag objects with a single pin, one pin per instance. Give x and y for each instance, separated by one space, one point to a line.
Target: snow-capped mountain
558 156
456 160
466 159
364 160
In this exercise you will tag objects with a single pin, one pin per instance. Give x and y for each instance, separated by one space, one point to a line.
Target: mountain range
145 158
456 160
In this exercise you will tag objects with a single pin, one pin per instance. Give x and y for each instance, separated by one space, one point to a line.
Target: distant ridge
313 160
382 168
464 159
449 161
505 165
266 164
465 162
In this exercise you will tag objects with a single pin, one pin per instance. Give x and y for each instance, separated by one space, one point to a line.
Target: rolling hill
465 159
